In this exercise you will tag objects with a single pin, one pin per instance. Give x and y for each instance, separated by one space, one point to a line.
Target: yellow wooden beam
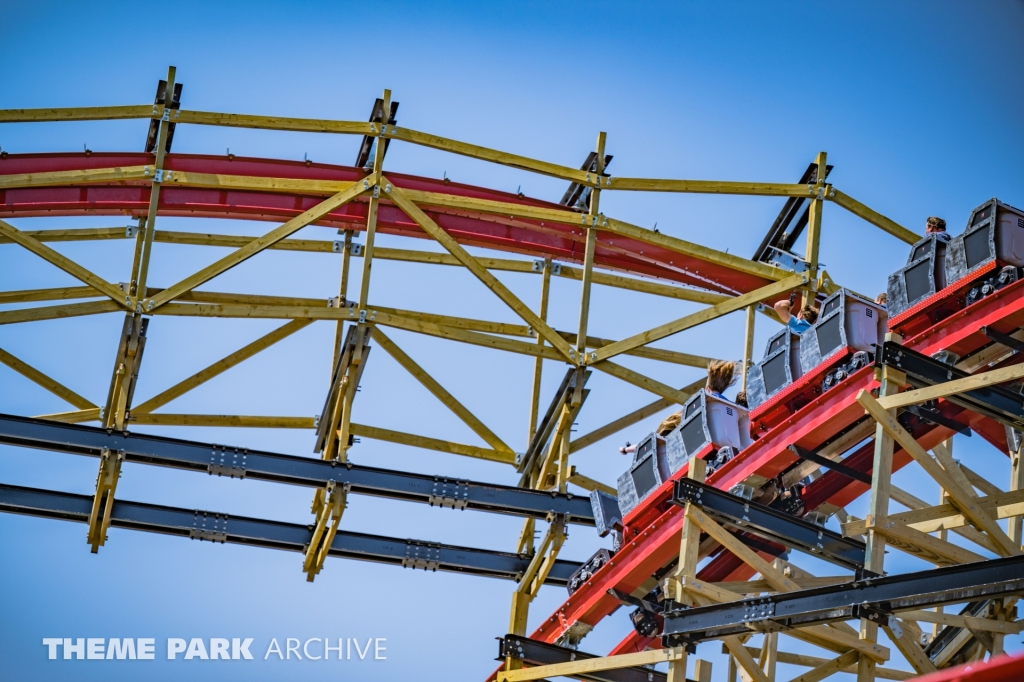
842 662
946 517
223 420
481 273
78 114
922 545
492 155
74 234
592 665
686 248
961 498
258 244
872 216
588 483
700 317
947 388
644 382
305 125
377 433
56 312
770 189
633 417
114 175
439 392
50 384
62 262
219 367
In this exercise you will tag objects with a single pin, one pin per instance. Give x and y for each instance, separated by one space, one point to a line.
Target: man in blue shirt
799 323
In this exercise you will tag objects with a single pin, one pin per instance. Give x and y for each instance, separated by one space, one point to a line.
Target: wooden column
878 505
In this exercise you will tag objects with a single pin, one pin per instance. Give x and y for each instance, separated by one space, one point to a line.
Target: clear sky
918 105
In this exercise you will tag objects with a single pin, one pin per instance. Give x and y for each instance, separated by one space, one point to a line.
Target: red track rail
813 424
558 241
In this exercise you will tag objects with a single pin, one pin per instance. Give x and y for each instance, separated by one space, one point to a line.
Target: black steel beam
996 402
838 467
770 524
533 653
303 471
783 232
204 525
921 590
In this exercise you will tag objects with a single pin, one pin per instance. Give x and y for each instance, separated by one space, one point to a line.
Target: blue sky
917 104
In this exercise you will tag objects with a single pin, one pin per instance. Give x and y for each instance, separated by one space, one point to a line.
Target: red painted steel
472 228
1008 668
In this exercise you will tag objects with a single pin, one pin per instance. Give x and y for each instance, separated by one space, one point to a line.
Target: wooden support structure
577 243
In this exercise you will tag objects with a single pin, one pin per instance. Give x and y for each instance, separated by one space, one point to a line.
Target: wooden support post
538 366
814 222
748 345
142 273
324 528
689 541
103 500
878 507
769 654
1016 523
346 259
588 268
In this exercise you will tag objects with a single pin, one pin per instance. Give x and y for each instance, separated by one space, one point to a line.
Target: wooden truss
546 465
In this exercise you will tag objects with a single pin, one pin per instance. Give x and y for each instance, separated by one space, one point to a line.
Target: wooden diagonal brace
103 500
328 518
481 273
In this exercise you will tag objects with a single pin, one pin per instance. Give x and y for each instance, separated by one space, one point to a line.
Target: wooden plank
115 175
592 665
305 125
257 245
813 661
922 545
74 235
57 312
692 250
644 382
481 273
492 155
633 417
62 262
377 433
221 366
872 216
49 383
692 320
769 189
957 621
78 113
960 498
836 665
920 395
223 420
52 294
588 483
439 392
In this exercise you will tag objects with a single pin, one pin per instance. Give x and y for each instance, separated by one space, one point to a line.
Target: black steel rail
999 403
771 524
205 525
234 462
868 598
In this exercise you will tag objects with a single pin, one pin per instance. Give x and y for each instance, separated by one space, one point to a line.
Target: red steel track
648 546
517 235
